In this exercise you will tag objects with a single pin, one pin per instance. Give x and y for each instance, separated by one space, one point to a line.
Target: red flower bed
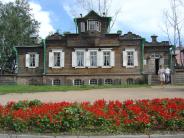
111 116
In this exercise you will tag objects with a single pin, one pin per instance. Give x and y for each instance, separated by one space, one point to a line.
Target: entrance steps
179 77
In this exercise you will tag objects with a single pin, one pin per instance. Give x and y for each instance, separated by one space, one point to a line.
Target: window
93 82
56 82
93 58
80 58
130 81
77 82
57 59
94 25
91 25
32 60
154 55
138 81
108 81
106 58
130 57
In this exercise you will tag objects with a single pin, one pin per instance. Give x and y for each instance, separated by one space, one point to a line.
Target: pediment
92 14
55 36
130 35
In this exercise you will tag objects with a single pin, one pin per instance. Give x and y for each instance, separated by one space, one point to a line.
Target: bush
100 116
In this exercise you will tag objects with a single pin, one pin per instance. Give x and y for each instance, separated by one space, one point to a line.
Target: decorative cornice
130 36
55 36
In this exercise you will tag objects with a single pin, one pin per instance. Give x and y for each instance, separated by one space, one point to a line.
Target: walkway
92 95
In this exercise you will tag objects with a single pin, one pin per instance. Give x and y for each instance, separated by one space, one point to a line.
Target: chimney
154 38
81 15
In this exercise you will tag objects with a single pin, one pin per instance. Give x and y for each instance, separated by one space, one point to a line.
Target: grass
5 89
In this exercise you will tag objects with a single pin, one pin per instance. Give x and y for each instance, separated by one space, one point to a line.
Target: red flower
128 102
127 121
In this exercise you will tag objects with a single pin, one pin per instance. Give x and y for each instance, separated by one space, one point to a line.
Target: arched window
108 81
138 81
77 82
56 82
93 82
130 81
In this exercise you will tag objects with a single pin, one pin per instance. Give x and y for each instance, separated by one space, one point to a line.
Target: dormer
93 23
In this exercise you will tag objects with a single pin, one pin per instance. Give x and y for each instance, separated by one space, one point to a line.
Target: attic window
154 55
94 25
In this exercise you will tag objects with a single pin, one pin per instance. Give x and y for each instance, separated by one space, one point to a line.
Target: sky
142 17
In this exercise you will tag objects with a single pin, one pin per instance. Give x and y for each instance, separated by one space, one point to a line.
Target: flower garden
138 116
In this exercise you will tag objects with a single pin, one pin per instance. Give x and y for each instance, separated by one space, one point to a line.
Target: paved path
92 95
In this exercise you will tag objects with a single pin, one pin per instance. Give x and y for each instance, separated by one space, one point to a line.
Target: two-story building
91 56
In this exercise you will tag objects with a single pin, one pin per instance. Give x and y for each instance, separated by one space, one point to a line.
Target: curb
118 136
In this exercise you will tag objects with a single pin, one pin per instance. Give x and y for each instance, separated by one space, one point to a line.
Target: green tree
17 26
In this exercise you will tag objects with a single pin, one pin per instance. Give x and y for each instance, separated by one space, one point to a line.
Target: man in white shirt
167 75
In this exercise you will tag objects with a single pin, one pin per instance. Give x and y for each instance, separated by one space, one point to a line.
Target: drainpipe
109 27
142 55
172 52
170 57
17 59
172 63
44 57
75 25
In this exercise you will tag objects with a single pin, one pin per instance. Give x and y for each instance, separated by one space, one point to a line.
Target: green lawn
4 89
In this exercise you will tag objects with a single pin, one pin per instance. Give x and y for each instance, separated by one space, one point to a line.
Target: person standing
167 75
161 73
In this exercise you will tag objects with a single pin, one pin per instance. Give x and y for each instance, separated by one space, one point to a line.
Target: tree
173 24
102 7
17 26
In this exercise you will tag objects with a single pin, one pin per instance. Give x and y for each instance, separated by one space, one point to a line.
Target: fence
8 79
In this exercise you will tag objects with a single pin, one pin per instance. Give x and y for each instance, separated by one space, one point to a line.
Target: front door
156 66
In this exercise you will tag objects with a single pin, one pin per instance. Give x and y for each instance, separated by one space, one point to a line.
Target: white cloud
141 15
44 18
41 16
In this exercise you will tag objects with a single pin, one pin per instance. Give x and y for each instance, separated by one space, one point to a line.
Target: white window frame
106 82
28 60
135 58
87 58
54 65
103 66
96 25
90 66
93 84
155 56
74 82
84 61
52 58
131 56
